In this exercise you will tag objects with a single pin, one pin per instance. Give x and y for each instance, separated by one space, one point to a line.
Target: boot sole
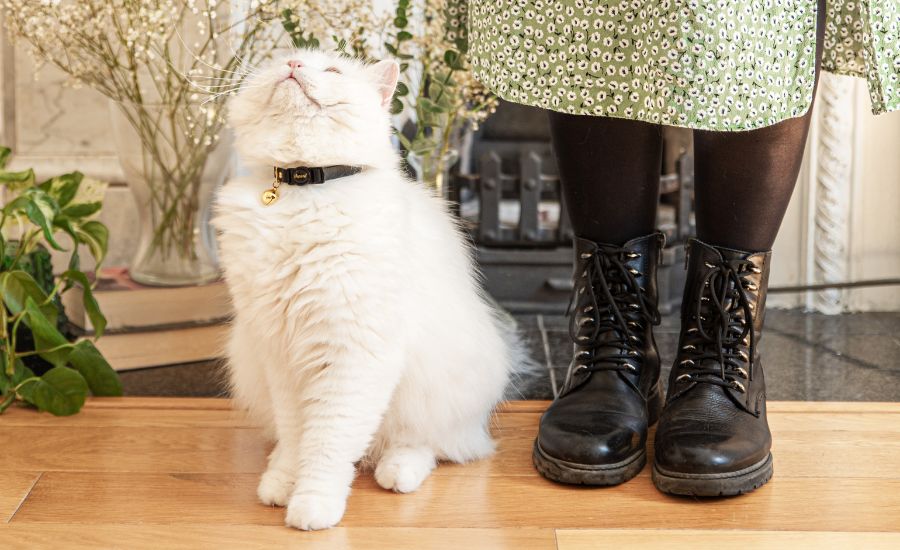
600 475
587 474
714 485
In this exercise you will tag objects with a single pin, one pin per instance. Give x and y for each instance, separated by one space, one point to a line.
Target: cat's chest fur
338 236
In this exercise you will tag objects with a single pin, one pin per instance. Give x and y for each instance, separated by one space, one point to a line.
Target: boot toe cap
602 440
707 453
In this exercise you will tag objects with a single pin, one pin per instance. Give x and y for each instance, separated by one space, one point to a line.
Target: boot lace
616 310
724 327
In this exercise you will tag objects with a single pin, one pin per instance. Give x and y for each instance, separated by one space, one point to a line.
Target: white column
830 206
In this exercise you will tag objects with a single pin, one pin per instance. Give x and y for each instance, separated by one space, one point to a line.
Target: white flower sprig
169 64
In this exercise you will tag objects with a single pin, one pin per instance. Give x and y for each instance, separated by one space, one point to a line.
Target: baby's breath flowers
169 65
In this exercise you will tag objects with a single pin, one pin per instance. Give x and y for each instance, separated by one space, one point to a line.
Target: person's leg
610 171
713 437
744 180
595 432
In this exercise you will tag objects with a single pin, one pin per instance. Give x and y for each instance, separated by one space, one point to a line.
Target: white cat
360 329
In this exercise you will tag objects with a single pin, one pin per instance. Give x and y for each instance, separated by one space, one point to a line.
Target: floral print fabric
706 64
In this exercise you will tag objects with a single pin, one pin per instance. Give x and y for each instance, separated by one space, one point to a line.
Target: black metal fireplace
506 191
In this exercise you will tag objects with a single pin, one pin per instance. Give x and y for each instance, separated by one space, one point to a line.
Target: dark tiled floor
808 356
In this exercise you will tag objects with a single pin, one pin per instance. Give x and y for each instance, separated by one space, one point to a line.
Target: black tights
610 173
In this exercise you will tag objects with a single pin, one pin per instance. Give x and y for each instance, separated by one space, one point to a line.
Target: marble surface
807 356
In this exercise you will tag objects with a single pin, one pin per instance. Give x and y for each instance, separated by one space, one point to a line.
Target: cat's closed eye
333 70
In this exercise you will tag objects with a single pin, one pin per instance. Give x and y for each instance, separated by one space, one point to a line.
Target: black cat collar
305 175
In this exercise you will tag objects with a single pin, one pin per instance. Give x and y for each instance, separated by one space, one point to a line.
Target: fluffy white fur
360 330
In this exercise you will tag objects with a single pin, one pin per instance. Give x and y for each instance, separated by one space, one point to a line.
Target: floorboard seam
545 342
25 497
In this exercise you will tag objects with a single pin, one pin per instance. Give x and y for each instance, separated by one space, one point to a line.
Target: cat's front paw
404 470
275 488
311 512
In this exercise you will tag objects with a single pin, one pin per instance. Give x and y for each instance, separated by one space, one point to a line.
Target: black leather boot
595 432
713 438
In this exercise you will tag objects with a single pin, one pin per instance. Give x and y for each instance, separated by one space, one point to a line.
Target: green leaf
17 204
96 236
450 57
396 106
75 260
91 307
17 180
430 106
462 45
20 373
400 22
401 90
100 376
41 211
64 188
82 210
61 391
390 48
5 153
17 286
46 336
403 36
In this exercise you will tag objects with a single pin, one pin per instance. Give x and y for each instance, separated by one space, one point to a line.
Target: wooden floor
181 473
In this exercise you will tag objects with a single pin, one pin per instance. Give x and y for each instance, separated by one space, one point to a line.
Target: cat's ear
385 74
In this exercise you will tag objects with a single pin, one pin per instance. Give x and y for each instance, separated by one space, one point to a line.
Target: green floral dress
706 64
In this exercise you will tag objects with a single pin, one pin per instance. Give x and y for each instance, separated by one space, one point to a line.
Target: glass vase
433 168
172 177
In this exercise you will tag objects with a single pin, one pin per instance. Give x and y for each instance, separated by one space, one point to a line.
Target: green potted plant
41 363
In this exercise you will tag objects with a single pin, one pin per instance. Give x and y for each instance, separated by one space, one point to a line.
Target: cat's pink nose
293 63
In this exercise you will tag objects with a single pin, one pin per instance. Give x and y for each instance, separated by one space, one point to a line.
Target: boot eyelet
631 367
586 320
587 309
634 272
586 255
743 373
684 378
756 270
633 255
692 330
581 368
738 386
709 265
583 339
687 362
744 356
583 355
584 274
689 347
751 286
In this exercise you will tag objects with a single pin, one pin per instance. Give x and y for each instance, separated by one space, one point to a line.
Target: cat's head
308 107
